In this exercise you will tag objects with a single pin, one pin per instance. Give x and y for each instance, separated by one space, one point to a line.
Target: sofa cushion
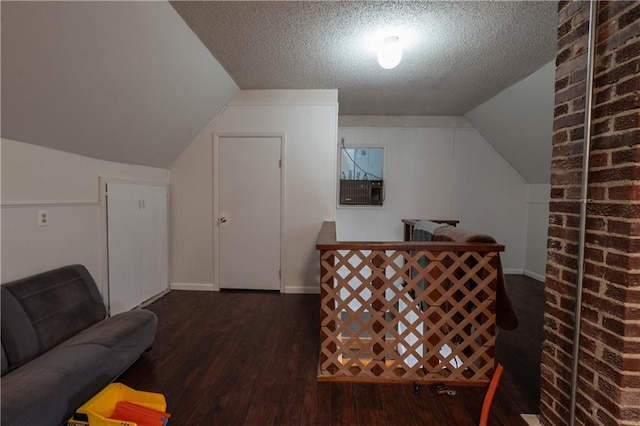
28 394
139 324
50 386
58 303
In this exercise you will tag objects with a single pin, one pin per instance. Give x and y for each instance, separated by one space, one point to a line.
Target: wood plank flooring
250 358
520 350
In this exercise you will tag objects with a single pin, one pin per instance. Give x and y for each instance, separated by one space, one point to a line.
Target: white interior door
249 212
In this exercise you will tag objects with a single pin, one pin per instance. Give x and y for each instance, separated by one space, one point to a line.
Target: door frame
103 181
216 202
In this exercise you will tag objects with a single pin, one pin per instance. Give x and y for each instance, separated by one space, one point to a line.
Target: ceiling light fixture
389 53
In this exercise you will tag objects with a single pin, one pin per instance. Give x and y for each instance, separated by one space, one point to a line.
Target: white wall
489 196
537 230
418 181
34 178
445 172
309 121
518 122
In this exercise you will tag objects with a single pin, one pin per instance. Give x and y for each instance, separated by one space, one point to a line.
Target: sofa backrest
42 311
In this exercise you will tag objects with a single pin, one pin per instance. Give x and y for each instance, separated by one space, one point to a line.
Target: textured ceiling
456 54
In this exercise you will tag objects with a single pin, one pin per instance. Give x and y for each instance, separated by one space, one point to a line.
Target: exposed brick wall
609 372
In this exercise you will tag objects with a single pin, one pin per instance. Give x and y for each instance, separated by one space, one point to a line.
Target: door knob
223 219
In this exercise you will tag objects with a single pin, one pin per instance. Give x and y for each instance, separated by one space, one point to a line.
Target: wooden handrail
327 241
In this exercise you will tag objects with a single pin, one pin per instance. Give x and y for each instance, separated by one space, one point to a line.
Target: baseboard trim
531 419
513 271
154 298
301 290
209 287
534 275
192 286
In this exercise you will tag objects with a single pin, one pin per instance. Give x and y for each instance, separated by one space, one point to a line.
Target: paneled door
249 204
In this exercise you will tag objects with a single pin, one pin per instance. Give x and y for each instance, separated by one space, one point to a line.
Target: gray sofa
58 347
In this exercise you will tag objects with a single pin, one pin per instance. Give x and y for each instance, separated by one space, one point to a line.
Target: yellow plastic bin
97 410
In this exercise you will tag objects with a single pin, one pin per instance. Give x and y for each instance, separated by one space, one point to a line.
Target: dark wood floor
520 350
250 358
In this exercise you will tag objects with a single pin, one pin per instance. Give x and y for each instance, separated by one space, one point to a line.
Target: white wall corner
539 193
192 286
534 275
513 271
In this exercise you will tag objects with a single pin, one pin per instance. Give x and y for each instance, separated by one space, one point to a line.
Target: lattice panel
414 316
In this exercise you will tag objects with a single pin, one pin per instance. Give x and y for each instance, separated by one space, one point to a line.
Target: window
361 176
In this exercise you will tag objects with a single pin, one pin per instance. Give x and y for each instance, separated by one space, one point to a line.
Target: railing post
433 311
378 326
326 279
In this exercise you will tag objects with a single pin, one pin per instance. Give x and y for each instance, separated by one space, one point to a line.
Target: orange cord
488 397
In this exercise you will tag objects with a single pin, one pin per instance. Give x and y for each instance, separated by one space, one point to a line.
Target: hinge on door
280 274
280 163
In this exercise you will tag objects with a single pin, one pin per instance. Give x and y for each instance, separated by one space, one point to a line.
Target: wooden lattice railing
407 311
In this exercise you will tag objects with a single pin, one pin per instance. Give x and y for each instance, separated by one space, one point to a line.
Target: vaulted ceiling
457 54
119 81
134 82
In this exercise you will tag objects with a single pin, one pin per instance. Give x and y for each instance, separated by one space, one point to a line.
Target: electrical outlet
43 218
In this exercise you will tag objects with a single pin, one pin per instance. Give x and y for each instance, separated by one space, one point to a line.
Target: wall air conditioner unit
361 192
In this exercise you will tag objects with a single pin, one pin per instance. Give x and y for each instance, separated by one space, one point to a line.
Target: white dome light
389 53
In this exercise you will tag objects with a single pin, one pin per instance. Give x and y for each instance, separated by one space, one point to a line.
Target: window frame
342 143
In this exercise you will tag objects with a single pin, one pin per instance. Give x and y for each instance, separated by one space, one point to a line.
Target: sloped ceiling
518 122
120 81
133 82
457 54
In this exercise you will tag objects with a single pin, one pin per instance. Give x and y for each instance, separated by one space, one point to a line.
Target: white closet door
138 244
155 261
125 252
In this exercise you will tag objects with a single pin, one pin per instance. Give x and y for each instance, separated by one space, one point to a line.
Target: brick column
609 371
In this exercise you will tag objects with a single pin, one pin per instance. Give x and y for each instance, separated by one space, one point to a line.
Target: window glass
361 176
361 163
